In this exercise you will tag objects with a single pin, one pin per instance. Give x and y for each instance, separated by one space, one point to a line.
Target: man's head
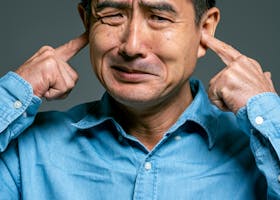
144 51
200 6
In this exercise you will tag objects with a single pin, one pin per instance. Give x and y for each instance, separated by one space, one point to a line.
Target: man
154 134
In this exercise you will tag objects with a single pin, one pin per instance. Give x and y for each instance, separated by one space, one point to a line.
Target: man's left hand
241 79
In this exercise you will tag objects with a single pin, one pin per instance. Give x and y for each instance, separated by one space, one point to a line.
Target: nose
134 41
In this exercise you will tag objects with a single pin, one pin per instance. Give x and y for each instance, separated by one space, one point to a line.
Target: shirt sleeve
18 107
261 121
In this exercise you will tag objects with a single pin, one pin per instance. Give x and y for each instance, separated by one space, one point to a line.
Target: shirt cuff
262 113
16 97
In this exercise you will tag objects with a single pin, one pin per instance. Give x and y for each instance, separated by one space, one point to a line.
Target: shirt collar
201 115
200 112
100 112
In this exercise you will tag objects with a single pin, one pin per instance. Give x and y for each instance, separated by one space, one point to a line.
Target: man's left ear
83 15
209 22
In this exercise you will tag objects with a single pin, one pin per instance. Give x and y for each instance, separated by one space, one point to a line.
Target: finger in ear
208 24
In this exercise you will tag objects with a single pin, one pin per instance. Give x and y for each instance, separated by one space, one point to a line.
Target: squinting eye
113 20
159 18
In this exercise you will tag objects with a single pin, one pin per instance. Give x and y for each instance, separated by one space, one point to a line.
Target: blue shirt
85 154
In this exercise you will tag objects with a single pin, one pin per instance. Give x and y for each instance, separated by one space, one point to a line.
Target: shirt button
259 120
120 138
178 137
278 178
148 166
24 114
17 104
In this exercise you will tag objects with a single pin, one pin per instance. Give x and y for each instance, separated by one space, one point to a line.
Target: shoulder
223 128
57 123
230 137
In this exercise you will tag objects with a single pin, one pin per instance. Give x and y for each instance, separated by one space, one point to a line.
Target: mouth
129 70
131 74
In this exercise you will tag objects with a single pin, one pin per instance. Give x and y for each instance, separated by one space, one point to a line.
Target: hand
241 79
48 71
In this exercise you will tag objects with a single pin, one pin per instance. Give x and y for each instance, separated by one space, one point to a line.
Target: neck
149 125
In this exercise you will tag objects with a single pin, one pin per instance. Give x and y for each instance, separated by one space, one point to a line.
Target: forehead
172 2
178 6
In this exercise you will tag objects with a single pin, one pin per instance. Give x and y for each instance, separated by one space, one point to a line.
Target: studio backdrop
251 26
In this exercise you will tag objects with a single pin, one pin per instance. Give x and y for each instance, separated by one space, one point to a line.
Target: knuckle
256 63
63 90
70 85
48 53
210 87
227 76
47 48
50 62
212 82
242 58
222 91
75 77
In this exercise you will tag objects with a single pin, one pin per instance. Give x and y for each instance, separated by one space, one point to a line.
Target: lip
131 70
131 74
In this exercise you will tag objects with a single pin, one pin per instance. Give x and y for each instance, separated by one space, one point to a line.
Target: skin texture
144 53
241 78
135 42
144 56
49 73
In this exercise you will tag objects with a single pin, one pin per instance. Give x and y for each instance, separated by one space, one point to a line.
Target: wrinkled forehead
170 3
139 1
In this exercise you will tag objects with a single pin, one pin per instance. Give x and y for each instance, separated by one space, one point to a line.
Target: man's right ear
84 16
209 23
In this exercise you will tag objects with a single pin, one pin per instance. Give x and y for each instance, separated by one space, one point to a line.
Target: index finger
71 48
226 52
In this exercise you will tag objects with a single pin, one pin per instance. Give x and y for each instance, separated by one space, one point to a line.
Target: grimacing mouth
129 70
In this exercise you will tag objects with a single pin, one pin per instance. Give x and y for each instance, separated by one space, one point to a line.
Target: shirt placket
146 181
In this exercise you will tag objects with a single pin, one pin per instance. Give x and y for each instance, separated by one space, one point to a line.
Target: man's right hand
48 71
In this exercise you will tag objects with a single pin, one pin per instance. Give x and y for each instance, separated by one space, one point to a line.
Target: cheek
101 42
173 46
179 50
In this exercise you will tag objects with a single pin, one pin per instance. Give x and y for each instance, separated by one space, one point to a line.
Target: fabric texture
84 153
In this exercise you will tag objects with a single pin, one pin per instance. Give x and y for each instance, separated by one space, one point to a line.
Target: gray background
252 26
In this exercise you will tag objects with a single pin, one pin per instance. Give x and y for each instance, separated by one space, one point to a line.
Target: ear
208 24
84 16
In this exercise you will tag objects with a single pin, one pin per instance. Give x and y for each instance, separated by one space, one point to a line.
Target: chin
135 98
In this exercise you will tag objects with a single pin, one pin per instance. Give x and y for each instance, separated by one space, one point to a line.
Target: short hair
200 7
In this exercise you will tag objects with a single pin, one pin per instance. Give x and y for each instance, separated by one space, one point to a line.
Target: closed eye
159 21
159 18
112 19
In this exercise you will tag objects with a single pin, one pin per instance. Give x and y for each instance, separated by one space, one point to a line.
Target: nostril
128 57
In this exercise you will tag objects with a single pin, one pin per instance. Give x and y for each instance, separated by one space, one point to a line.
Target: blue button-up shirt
85 154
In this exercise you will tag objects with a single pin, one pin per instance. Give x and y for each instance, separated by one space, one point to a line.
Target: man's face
143 51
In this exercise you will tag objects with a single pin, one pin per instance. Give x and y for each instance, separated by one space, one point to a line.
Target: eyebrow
111 4
160 6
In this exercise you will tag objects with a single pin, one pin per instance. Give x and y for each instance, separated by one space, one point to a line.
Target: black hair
200 7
